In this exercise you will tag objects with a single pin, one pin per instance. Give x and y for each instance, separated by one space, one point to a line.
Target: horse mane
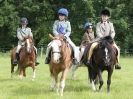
107 42
63 49
108 39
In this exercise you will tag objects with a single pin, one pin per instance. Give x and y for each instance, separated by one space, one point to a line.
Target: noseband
56 52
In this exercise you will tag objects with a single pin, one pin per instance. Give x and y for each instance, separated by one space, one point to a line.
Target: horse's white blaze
56 52
106 52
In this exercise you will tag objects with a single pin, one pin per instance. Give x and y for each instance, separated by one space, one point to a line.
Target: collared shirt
105 29
62 27
87 38
23 32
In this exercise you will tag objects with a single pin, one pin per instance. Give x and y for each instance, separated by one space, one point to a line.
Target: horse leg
17 71
62 80
91 76
74 68
53 83
12 70
109 79
56 83
100 79
34 73
21 73
24 73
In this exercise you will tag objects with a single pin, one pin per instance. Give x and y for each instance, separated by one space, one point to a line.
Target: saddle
85 54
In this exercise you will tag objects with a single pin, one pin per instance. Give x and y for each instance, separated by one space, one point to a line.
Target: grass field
121 87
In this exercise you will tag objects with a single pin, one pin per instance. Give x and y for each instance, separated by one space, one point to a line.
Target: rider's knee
94 45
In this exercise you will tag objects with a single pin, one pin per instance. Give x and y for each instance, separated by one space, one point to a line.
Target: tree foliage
42 13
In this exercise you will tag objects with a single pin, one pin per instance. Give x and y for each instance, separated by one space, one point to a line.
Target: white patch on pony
52 84
93 86
34 75
58 42
62 85
28 45
21 77
106 52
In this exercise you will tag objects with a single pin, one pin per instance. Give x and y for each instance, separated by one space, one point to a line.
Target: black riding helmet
105 12
23 20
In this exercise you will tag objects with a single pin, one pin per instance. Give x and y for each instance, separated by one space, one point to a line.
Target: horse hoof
61 94
33 79
21 77
100 90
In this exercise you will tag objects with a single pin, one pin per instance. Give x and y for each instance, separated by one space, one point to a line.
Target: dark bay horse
26 58
61 61
103 58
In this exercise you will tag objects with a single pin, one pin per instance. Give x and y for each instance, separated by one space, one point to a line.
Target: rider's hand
26 37
57 37
61 35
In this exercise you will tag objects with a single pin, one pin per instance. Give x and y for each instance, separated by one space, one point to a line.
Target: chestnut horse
26 58
61 61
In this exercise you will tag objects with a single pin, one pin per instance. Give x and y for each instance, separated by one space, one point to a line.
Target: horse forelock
29 46
65 49
62 48
57 42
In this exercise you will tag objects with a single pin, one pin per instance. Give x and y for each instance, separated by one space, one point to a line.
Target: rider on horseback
104 28
22 34
88 36
62 28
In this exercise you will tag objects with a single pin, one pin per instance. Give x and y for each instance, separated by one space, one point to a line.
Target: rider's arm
30 33
98 32
55 28
19 35
112 31
68 30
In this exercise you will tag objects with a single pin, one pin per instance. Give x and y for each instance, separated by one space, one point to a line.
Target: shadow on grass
40 89
4 80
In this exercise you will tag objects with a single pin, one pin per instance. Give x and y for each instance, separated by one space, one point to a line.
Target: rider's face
104 18
89 30
61 17
23 25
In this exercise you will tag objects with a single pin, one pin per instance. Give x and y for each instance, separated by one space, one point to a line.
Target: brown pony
61 61
103 58
26 58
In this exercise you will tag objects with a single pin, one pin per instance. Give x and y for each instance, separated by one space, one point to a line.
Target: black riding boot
15 62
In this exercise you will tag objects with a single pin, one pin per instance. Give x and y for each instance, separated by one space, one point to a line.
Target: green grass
121 87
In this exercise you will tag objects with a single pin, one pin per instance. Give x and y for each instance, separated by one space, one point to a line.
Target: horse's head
105 50
28 44
55 51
